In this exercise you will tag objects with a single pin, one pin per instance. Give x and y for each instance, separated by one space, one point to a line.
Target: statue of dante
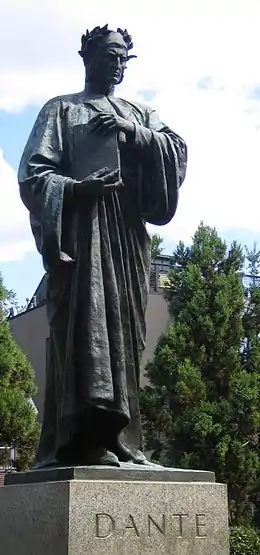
90 229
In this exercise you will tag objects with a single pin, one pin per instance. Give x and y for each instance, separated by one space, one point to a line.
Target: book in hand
92 152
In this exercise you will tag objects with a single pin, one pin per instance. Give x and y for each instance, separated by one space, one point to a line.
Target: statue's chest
81 114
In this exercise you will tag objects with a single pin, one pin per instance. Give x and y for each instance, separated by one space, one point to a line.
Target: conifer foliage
202 409
19 427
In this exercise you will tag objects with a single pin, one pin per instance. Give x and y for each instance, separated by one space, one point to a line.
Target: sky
197 65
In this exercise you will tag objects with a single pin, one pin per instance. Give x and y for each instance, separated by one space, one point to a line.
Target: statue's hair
90 39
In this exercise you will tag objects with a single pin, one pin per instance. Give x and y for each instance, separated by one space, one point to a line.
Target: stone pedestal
106 511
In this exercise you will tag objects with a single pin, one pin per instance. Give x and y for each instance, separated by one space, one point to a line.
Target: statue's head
105 54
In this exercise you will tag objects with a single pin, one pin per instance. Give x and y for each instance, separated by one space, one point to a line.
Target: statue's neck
94 89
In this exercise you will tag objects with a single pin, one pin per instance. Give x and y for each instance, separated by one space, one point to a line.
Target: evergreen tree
18 422
156 246
202 409
251 345
253 263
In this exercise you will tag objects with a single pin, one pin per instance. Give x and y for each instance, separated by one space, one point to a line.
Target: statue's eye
110 56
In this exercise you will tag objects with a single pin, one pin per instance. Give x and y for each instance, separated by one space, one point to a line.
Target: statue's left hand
107 124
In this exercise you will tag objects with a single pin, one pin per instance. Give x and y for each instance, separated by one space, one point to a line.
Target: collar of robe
108 104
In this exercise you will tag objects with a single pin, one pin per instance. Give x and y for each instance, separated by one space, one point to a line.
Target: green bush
244 541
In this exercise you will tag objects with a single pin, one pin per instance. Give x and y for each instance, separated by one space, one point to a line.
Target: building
31 330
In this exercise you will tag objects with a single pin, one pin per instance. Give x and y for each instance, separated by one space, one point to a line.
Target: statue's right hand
97 184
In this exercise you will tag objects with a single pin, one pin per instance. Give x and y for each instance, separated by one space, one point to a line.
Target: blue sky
198 65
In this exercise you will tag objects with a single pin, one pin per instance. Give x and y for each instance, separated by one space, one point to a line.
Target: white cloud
179 44
176 42
223 177
15 235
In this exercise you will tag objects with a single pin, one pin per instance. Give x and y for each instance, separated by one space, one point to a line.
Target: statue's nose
116 62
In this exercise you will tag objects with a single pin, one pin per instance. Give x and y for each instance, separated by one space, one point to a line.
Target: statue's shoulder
138 106
141 111
63 101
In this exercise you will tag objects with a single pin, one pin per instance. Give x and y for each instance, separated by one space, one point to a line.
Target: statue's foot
46 463
100 457
125 454
121 451
145 462
96 457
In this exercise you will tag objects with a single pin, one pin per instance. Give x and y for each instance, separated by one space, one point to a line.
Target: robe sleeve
163 161
43 185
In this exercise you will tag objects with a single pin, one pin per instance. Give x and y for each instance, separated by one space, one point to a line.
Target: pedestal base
104 516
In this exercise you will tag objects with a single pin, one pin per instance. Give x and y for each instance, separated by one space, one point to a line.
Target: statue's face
107 65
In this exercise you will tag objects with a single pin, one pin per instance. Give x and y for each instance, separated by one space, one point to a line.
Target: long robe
97 259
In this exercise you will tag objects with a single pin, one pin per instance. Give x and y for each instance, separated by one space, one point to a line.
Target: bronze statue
91 233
